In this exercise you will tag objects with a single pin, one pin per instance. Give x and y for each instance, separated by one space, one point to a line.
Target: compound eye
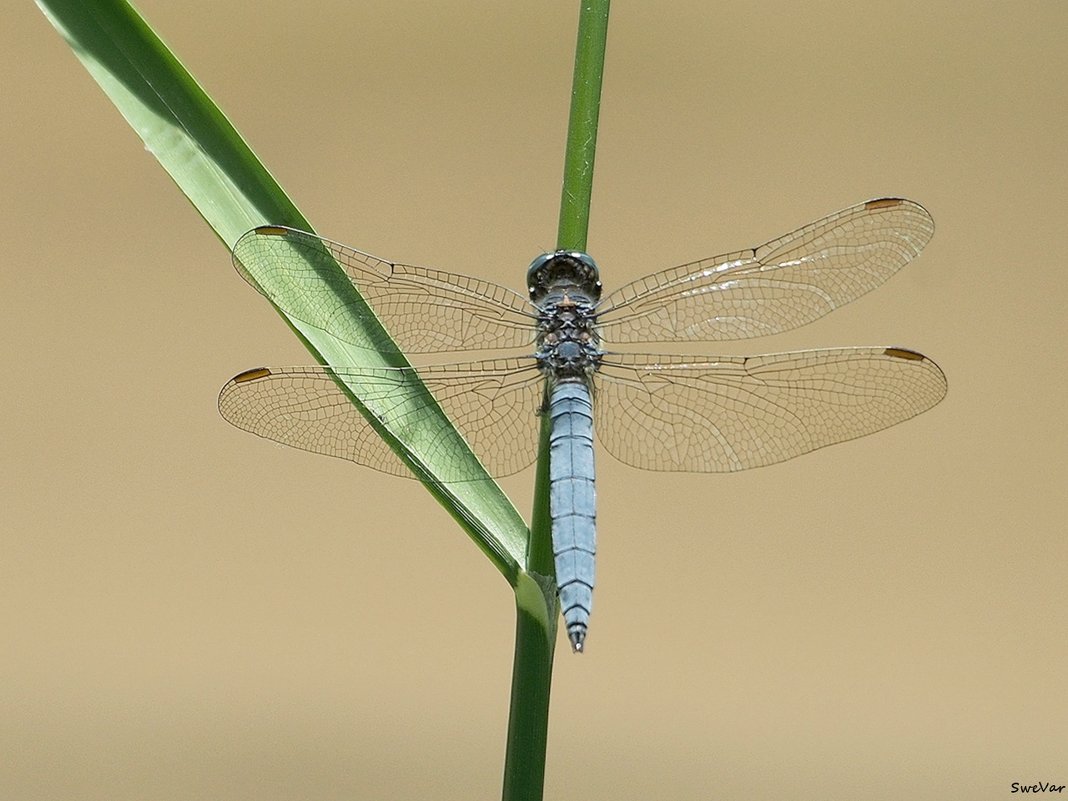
536 267
593 274
586 259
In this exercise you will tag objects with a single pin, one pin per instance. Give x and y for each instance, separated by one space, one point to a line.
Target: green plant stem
536 602
528 723
535 639
582 126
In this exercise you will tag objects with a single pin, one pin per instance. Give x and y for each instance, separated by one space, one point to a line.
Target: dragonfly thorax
567 343
566 288
568 360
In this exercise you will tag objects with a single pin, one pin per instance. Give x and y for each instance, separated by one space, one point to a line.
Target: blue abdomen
573 503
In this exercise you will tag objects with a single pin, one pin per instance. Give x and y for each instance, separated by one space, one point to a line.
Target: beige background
187 612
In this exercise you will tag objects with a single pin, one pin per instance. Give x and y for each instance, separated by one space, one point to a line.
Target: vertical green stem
535 640
528 721
582 126
536 605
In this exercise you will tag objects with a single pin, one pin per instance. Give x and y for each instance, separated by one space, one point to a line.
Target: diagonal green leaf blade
233 191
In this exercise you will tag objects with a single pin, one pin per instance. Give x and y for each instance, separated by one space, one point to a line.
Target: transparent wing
493 404
723 414
783 284
425 310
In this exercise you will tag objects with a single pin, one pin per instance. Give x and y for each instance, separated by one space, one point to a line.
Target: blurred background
189 612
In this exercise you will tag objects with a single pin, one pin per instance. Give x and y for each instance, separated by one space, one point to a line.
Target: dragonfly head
556 273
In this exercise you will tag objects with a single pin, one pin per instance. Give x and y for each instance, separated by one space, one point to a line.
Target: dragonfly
661 412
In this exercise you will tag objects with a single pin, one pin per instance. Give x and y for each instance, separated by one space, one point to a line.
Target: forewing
493 404
425 310
733 413
783 284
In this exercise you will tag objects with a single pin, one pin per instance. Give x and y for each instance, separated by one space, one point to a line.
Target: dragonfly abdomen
573 503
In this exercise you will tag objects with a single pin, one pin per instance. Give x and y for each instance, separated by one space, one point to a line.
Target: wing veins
837 259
